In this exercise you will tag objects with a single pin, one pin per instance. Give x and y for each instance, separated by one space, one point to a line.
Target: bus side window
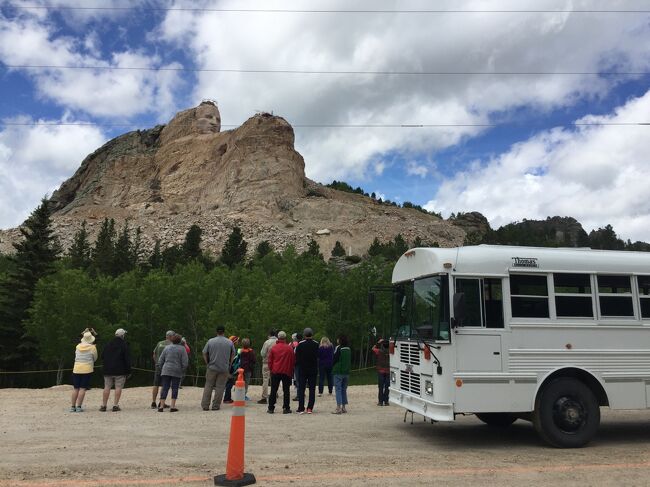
483 301
493 303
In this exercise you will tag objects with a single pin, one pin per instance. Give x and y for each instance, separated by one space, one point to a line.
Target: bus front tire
499 420
567 414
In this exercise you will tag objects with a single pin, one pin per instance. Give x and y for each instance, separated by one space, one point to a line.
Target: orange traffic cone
235 475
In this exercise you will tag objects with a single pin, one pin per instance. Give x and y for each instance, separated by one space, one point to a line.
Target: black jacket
307 356
116 357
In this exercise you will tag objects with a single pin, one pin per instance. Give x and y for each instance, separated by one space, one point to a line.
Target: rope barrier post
235 475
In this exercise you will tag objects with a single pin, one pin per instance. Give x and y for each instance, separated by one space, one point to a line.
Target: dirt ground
43 445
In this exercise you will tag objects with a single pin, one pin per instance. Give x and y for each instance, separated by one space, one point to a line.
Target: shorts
114 380
81 381
157 382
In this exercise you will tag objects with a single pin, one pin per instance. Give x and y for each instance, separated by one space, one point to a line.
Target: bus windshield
421 308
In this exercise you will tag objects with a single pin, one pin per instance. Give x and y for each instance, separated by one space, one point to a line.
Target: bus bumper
428 409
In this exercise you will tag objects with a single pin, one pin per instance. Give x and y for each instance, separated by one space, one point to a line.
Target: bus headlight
392 377
428 387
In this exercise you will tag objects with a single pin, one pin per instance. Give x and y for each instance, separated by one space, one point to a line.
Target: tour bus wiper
436 359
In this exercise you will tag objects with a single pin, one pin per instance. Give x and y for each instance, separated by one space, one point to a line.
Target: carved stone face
208 119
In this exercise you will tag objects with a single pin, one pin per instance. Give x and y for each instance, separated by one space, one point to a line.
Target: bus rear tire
499 420
566 414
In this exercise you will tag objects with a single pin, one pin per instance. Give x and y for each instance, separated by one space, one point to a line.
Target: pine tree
136 249
79 252
313 250
192 244
375 248
234 250
155 259
34 258
338 250
400 245
123 256
103 254
417 242
263 248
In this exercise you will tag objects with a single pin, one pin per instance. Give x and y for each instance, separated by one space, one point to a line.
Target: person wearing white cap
84 364
117 365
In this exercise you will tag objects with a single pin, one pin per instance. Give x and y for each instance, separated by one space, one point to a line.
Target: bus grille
409 353
409 381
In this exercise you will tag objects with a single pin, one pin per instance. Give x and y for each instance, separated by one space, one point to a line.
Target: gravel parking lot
43 445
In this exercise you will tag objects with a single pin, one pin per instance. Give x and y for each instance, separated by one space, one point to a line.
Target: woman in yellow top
84 363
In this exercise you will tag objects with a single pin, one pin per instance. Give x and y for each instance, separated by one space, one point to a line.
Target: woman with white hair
84 364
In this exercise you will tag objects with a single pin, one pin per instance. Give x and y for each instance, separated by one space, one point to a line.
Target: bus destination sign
525 262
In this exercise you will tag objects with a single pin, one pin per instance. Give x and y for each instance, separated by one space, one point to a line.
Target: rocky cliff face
189 172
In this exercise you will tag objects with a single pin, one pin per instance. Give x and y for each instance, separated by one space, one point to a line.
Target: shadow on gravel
470 433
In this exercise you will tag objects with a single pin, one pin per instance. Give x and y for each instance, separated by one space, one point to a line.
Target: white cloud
597 174
415 169
36 159
99 92
477 42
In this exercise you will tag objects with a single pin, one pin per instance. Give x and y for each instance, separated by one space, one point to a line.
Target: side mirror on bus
371 302
459 309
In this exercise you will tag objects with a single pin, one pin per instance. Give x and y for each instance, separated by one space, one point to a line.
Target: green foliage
35 258
605 238
65 303
343 186
79 252
192 243
123 258
234 250
103 253
156 259
338 250
313 250
263 249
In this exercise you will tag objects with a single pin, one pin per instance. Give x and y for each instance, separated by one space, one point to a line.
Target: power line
338 72
331 11
346 126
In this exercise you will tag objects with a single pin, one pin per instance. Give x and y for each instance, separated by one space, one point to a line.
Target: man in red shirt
281 362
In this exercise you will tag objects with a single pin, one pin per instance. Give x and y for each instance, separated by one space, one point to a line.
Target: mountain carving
190 172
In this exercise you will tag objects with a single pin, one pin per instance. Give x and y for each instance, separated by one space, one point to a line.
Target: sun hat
282 335
88 338
120 332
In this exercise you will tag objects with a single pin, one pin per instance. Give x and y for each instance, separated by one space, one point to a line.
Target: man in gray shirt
218 354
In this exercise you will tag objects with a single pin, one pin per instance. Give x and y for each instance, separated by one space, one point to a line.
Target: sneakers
154 405
173 410
309 411
160 410
270 411
300 412
116 409
73 409
102 409
166 406
286 411
262 401
215 409
343 410
337 411
206 409
246 398
228 401
80 409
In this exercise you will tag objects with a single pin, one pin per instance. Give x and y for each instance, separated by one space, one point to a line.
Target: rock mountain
190 172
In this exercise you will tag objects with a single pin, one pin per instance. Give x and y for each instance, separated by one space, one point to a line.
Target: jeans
341 387
227 396
322 373
217 381
276 379
168 380
306 380
383 382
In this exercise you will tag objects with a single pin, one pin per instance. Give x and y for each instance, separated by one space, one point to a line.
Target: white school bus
541 334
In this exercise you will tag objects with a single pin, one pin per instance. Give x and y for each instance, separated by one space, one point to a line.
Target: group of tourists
301 361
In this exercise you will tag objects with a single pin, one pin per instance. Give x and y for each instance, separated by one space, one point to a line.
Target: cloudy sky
514 108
